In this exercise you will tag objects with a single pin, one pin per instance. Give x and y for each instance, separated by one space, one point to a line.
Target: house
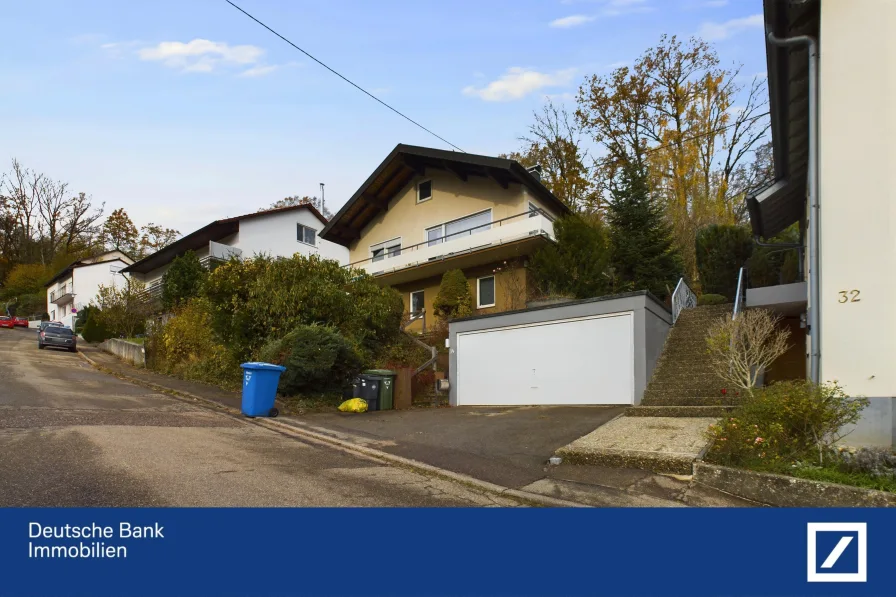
425 211
77 285
832 76
280 232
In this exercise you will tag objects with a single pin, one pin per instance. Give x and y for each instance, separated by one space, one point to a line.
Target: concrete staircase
683 384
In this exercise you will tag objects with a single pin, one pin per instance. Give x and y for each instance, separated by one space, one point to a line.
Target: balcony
785 294
63 296
515 235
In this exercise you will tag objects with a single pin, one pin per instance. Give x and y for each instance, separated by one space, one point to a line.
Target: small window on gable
424 190
305 234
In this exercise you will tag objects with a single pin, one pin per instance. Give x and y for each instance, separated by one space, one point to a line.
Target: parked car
6 322
45 324
21 322
58 337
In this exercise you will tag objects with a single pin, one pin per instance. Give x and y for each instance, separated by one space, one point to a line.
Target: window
53 314
486 292
424 190
384 250
467 226
416 302
306 235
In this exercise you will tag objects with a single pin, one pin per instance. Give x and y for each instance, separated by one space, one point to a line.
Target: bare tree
741 349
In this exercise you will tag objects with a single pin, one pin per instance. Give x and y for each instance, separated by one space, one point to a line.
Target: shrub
317 359
786 422
721 251
876 462
454 298
741 349
711 299
122 309
94 329
258 299
578 264
183 280
186 346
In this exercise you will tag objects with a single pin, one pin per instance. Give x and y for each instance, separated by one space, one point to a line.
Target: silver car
58 337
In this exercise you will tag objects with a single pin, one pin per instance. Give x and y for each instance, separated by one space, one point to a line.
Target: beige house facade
426 211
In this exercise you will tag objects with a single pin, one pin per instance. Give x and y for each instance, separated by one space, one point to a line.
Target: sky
183 112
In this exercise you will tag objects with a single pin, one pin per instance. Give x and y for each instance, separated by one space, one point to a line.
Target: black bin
368 388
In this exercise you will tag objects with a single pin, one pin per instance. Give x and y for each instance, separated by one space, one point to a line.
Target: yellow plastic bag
355 405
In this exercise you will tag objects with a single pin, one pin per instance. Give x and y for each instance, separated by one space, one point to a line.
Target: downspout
814 273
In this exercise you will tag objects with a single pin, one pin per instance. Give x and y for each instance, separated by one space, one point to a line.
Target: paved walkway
503 446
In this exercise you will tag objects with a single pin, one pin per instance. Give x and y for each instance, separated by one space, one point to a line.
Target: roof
212 232
407 161
781 204
67 270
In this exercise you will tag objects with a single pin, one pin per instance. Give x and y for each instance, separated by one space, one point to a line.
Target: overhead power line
347 80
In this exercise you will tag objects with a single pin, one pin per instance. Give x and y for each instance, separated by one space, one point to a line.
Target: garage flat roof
596 299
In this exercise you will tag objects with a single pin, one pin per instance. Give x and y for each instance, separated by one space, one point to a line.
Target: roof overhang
196 240
407 161
775 208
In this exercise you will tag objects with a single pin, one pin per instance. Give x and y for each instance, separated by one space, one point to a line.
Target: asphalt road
73 436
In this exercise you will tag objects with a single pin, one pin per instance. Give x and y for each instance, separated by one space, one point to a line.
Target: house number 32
849 296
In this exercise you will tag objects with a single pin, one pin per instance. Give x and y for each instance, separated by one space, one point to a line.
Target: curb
302 430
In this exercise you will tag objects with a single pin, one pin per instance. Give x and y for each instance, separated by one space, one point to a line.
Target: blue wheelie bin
260 389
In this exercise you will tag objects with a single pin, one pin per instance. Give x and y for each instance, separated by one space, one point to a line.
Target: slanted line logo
844 547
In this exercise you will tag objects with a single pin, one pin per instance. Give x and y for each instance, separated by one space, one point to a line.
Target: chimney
535 171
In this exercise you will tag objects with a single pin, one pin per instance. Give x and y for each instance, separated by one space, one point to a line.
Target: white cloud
518 82
259 70
571 21
718 31
202 55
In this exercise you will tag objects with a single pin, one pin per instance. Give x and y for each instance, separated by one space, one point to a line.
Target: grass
834 475
135 340
311 403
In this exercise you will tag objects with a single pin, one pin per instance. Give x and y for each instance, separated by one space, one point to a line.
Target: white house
832 87
77 285
280 232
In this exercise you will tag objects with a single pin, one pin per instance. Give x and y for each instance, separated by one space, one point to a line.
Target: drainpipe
814 273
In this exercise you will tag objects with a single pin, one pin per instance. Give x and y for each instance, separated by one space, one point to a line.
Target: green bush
94 329
578 264
786 422
454 298
317 359
183 280
721 251
711 299
255 300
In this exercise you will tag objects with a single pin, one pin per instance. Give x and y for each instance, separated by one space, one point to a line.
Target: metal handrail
682 298
739 296
443 239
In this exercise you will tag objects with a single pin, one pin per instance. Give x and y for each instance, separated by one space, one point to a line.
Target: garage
592 352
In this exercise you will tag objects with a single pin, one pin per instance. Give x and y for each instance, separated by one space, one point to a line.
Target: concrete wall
652 322
127 351
451 199
858 205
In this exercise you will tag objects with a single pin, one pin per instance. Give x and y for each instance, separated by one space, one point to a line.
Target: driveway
73 436
508 446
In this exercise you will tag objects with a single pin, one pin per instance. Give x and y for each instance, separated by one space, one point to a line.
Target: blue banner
449 552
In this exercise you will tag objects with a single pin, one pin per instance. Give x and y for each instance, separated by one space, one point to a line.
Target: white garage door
587 360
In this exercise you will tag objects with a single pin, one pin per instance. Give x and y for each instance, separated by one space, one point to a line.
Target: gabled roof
215 231
407 161
775 208
67 270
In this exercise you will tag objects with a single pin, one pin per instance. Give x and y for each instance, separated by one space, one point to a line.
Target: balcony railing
531 223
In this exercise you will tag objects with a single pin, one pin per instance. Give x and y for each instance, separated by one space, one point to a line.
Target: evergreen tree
183 280
576 266
643 255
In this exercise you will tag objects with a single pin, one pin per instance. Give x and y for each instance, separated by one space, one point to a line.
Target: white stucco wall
858 203
84 282
275 235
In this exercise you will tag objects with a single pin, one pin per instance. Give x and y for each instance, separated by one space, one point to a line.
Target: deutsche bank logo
837 551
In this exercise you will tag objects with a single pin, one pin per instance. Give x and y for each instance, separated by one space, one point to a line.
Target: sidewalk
504 447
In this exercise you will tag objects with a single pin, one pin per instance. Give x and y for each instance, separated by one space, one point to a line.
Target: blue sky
185 112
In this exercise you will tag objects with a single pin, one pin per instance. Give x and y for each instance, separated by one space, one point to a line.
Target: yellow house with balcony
425 211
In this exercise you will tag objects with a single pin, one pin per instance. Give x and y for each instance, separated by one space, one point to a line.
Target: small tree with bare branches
741 349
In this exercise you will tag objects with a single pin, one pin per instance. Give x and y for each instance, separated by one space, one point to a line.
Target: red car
21 322
6 322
